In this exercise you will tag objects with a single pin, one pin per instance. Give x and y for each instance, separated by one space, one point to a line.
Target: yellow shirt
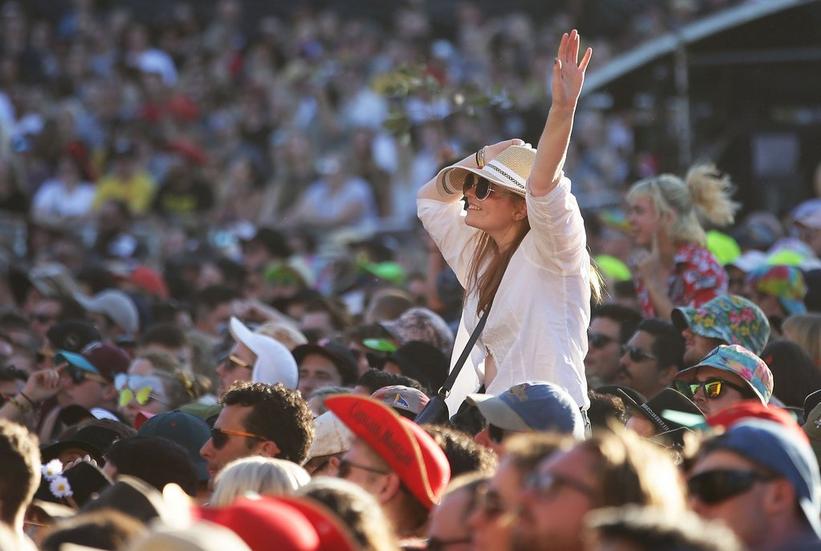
136 191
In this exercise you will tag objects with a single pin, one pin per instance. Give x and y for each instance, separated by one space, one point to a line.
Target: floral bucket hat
740 361
730 318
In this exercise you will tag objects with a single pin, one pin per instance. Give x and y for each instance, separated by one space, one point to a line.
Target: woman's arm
435 189
568 78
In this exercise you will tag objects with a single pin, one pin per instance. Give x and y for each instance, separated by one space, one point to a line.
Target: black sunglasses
636 354
496 434
345 468
435 544
220 437
482 188
598 340
721 484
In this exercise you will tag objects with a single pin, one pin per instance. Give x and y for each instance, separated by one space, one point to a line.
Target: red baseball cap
149 281
333 536
259 522
412 454
747 409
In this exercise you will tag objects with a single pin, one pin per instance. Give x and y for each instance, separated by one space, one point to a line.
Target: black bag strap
457 367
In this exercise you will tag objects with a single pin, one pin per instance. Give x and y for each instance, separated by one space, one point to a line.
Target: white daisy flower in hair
52 469
60 487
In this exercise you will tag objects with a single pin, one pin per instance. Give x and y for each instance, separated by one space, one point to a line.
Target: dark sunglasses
713 388
482 188
345 468
636 354
719 485
220 436
79 376
598 340
435 544
496 434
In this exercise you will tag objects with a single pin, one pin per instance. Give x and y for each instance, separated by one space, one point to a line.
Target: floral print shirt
696 278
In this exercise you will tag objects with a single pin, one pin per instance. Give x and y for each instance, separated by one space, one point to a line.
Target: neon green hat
613 268
723 247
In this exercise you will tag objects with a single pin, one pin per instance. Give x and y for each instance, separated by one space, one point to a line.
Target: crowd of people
229 298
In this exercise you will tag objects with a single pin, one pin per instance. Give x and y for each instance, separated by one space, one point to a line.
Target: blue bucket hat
531 407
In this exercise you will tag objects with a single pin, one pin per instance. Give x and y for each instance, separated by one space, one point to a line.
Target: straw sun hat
510 170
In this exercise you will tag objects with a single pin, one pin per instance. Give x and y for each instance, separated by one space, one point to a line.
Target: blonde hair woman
665 218
805 331
521 247
258 475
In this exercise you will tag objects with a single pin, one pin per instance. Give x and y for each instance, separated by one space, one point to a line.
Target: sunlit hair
488 265
258 475
805 331
705 195
630 469
359 511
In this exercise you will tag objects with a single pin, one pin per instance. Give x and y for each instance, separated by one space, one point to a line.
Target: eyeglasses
482 186
220 436
435 544
496 434
713 387
546 485
78 375
233 362
489 502
598 340
721 484
141 388
345 467
636 354
142 396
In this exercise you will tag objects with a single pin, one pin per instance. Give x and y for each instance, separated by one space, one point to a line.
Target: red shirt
697 278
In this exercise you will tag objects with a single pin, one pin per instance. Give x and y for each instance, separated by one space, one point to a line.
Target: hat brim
395 440
454 178
498 413
77 360
332 533
693 369
681 317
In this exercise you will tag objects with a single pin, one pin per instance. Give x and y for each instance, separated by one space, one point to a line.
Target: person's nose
207 449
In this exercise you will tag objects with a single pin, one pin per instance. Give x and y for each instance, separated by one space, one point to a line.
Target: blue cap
784 452
185 429
77 360
532 407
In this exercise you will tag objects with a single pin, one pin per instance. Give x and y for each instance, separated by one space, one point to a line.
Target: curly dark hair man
259 419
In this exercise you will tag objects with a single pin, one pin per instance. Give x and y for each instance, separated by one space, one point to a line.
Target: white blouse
537 327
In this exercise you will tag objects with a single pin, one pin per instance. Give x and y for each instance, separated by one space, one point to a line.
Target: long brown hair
487 283
487 252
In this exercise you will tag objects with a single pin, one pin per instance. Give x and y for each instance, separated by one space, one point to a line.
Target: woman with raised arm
520 251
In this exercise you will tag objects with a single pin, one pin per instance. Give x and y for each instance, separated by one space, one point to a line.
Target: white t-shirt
537 327
54 199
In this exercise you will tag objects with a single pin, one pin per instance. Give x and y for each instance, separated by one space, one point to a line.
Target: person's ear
780 497
667 375
109 392
388 487
520 213
268 448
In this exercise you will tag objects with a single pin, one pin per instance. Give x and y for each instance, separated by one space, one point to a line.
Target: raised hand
568 72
